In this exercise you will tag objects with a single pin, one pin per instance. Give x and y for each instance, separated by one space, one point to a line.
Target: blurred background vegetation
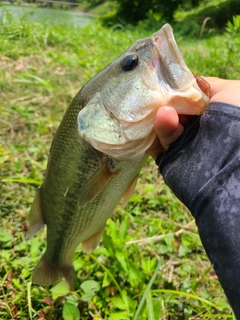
151 264
192 12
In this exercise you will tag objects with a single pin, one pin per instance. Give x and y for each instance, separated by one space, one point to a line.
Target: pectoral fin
94 185
35 217
128 193
90 244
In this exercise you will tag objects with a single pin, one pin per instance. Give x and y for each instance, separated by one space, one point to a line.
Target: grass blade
148 288
217 316
29 300
28 181
150 306
186 294
108 272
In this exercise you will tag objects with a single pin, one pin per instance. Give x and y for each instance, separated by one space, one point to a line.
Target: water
53 16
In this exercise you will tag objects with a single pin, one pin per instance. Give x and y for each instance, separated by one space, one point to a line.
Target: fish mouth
129 133
173 69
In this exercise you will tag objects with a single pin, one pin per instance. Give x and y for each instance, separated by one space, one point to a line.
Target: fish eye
129 62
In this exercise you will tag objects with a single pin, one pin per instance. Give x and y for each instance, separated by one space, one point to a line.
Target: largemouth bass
100 147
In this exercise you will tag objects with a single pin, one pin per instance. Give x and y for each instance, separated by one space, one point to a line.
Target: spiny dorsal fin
94 185
90 244
128 193
35 217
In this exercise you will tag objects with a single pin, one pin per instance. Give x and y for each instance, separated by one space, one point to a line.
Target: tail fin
46 274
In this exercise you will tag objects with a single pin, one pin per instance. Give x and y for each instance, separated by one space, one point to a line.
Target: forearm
202 169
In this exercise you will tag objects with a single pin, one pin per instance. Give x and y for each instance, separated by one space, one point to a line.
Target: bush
219 14
233 28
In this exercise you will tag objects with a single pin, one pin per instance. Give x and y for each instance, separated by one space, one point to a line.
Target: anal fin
128 193
35 217
90 244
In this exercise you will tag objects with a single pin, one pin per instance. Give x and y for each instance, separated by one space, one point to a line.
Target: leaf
25 273
169 242
135 274
106 280
60 289
157 307
17 284
112 229
78 264
21 246
5 236
222 304
124 302
70 312
122 260
123 230
35 244
89 287
5 255
72 299
118 303
149 188
148 264
108 271
108 244
183 250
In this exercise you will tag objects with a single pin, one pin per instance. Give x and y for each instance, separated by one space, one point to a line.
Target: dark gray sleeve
203 170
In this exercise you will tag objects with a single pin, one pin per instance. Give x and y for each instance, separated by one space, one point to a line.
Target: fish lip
174 73
166 34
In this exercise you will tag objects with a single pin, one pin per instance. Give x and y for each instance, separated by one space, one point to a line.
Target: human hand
168 125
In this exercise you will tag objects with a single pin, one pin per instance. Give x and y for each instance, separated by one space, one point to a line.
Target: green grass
101 8
151 264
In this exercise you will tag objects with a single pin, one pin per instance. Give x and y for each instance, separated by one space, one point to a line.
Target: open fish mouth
118 119
173 69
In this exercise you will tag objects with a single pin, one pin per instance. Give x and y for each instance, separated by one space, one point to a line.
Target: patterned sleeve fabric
203 170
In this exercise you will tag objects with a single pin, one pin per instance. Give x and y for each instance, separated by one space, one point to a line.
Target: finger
168 129
167 126
155 149
226 91
216 84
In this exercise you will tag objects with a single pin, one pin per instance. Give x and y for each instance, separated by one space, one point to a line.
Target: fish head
122 100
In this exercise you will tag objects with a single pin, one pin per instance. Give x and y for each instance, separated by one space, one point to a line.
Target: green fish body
100 148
